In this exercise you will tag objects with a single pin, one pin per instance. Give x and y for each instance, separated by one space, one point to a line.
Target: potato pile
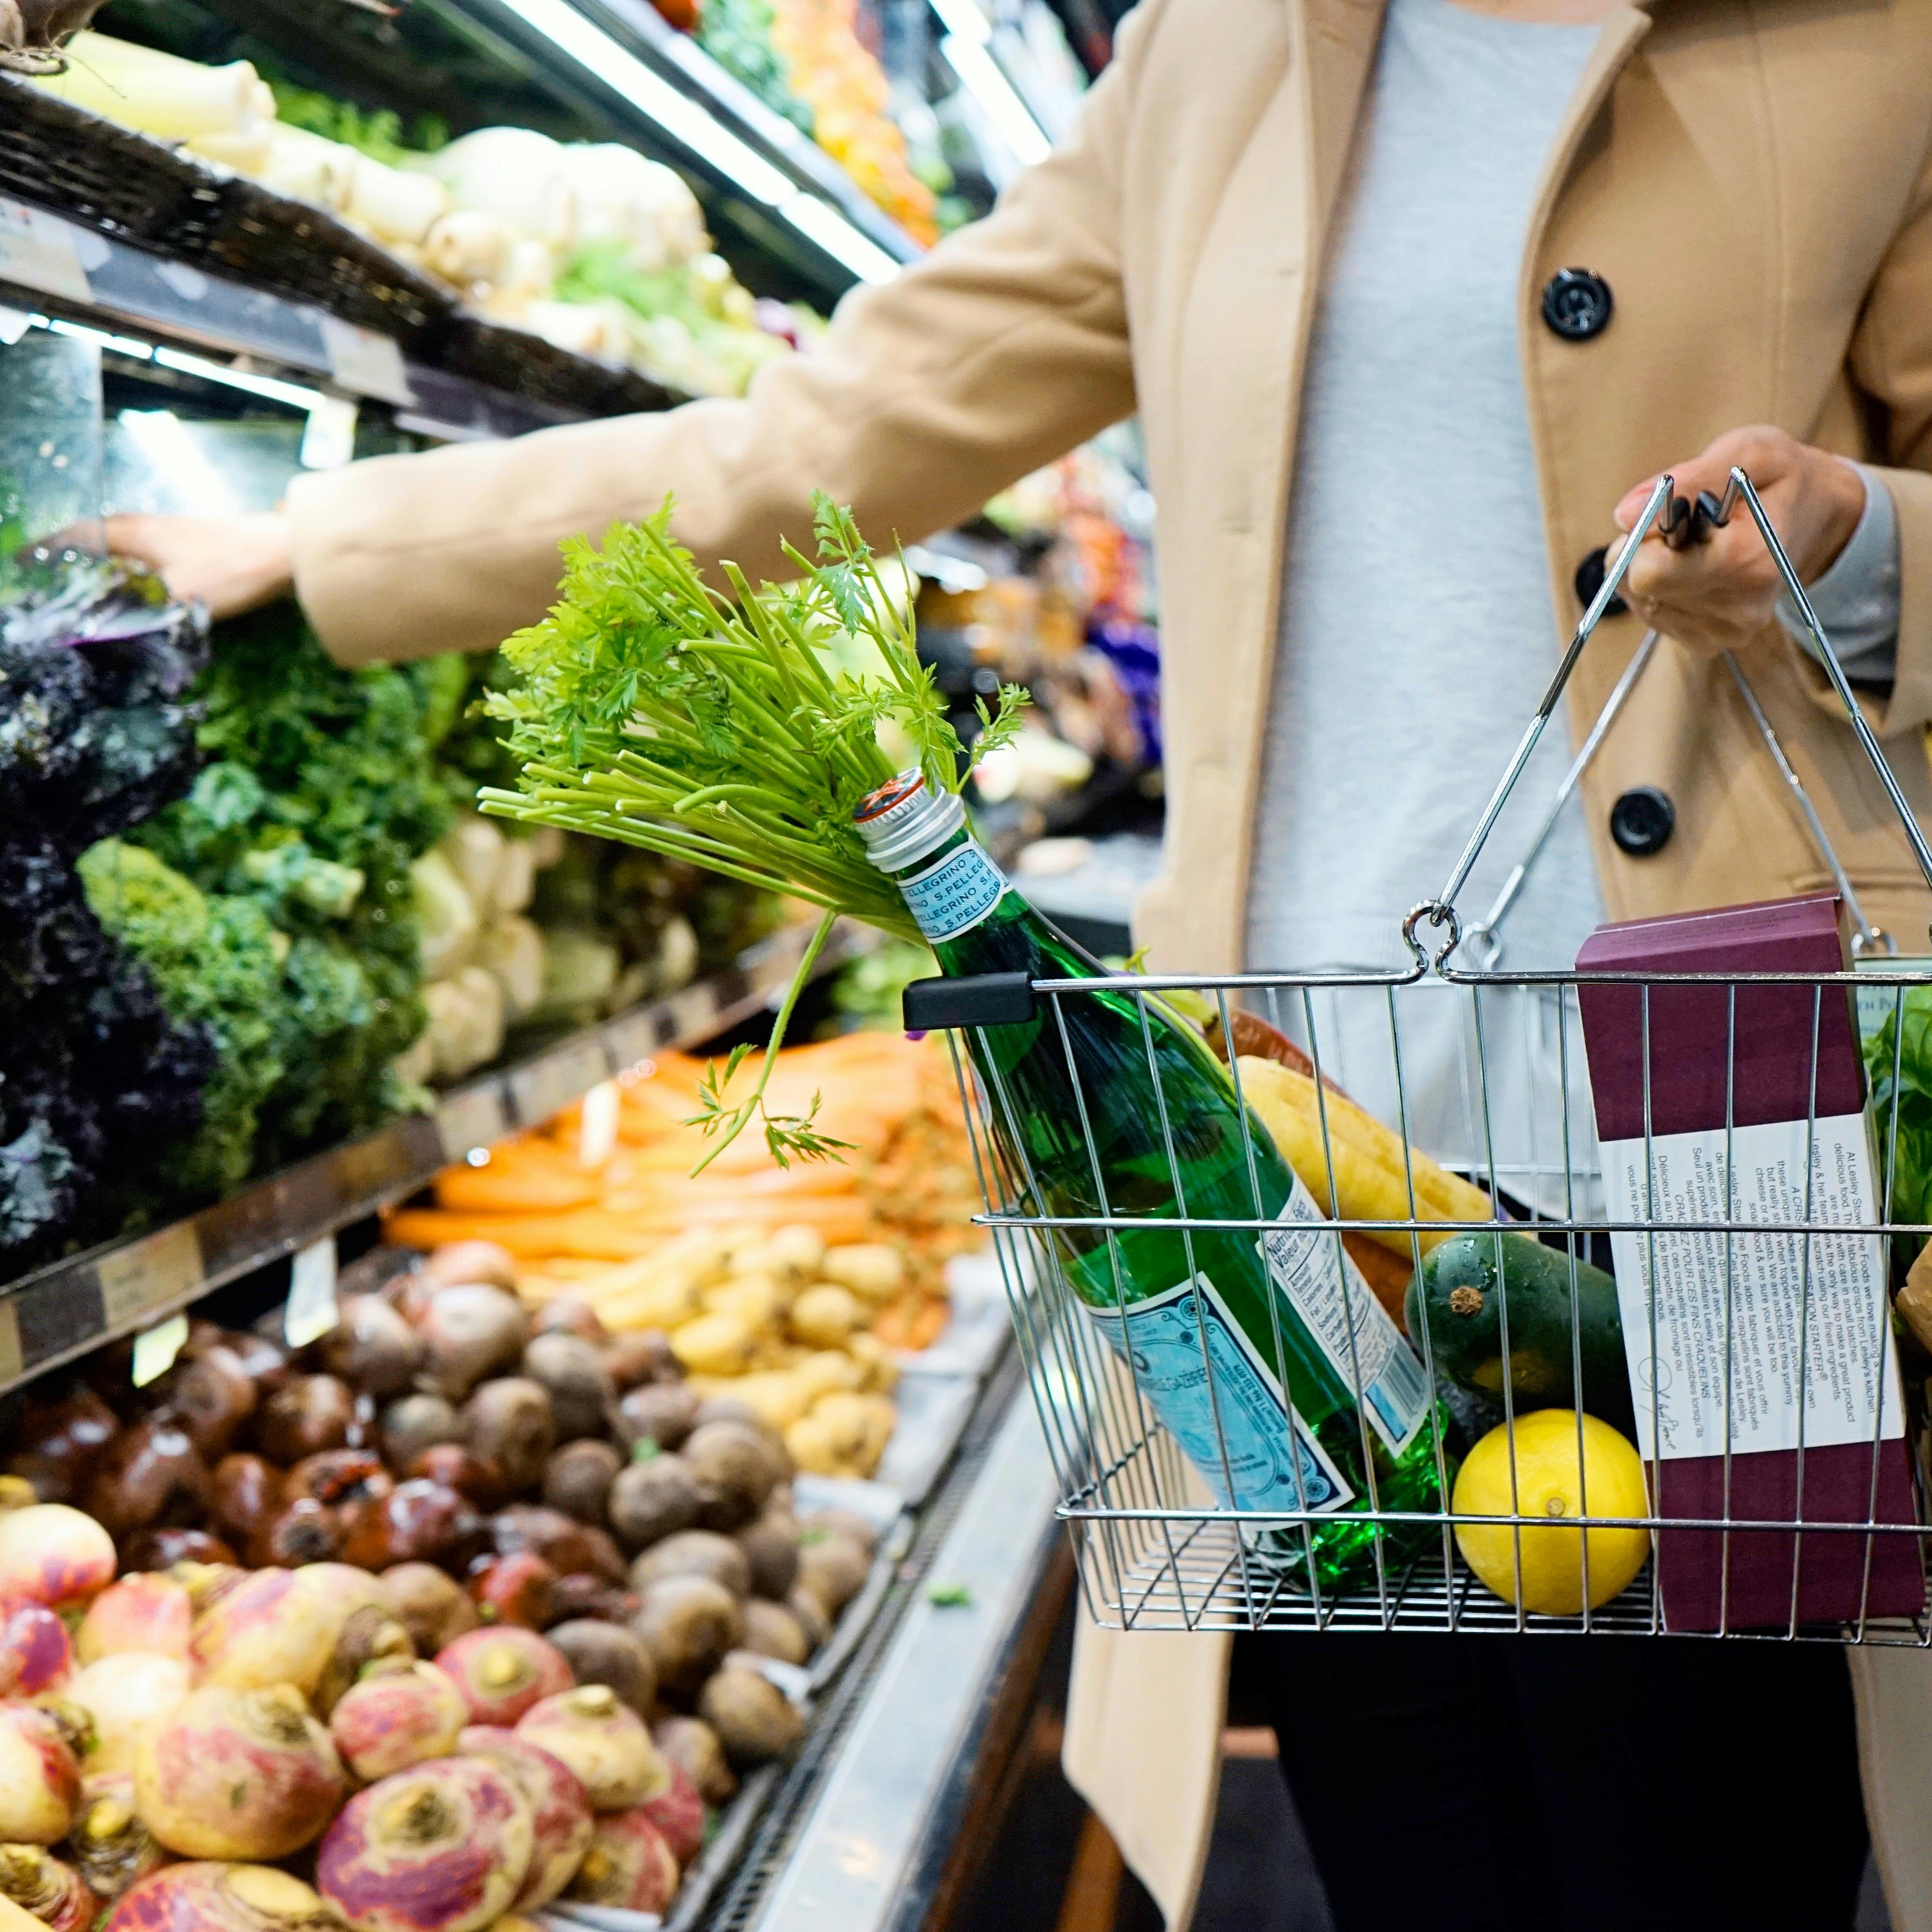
779 1322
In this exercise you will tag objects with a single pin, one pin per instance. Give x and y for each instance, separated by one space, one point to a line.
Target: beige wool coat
1751 179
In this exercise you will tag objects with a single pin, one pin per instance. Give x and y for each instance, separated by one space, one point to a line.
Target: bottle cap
904 820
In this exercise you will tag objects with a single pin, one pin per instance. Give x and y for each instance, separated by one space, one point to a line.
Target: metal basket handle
1680 521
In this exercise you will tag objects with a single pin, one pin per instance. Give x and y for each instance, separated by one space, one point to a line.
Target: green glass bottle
1275 1426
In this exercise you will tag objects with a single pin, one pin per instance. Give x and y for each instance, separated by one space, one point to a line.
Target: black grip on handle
973 1000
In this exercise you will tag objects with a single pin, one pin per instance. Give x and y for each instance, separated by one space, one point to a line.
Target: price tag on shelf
366 361
329 441
311 1310
545 1086
38 251
11 1362
155 1348
161 1268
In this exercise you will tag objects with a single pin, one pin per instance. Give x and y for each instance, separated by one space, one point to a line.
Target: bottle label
1195 1368
954 895
1349 1325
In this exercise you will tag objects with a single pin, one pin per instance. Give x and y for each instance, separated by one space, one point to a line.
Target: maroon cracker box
1821 1436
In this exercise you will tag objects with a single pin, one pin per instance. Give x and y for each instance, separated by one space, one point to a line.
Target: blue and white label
1213 1394
954 895
1349 1325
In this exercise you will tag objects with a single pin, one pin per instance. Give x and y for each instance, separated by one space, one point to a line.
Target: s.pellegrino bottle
1248 1350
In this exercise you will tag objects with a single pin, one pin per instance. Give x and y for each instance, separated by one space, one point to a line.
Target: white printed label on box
1327 1289
1843 1360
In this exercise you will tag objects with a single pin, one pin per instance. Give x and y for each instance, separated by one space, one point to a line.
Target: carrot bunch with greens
726 730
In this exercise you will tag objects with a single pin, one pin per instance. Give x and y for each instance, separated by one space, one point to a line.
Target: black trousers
1485 1783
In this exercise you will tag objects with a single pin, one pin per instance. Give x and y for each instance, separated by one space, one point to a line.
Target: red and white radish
678 1812
36 1658
603 1740
124 1695
629 1865
221 1897
40 1776
56 1894
231 1774
113 1848
502 1672
444 1846
53 1554
396 1718
559 1812
148 1612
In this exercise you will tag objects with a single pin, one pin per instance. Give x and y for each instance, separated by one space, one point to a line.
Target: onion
248 1493
678 1812
123 1695
150 1474
559 1812
67 1437
149 1612
417 1522
305 1416
53 1554
221 1897
603 1740
111 1845
443 1847
502 1672
56 1895
211 1396
396 1718
40 1780
36 1657
629 1865
236 1775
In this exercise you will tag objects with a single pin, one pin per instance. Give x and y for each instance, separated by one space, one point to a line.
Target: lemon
1549 1487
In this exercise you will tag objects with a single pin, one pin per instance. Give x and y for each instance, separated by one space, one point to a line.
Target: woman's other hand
1717 595
232 564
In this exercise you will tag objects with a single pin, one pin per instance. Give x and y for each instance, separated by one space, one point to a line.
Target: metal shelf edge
71 1306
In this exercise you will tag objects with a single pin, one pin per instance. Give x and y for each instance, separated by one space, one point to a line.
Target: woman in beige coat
1718 249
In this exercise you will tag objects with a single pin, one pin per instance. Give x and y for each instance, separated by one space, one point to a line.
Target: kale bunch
320 791
96 1073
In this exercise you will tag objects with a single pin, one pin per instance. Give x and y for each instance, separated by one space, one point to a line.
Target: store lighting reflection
171 450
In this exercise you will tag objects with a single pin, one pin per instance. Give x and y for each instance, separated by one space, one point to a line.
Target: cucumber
1455 1294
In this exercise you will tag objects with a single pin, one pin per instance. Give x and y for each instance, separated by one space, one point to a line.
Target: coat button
1643 820
1589 580
1577 304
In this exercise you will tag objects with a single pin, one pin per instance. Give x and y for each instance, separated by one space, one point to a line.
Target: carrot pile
599 1231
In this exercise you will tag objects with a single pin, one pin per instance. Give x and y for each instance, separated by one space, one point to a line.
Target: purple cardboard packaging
1739 1081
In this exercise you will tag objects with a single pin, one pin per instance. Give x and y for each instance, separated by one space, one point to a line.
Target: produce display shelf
679 59
71 1306
877 1819
107 226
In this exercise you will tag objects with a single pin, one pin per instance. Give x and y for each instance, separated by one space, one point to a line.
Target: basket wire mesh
1489 1073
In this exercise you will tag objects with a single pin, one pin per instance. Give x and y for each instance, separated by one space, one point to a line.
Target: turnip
231 1774
444 1846
396 1718
603 1740
222 1898
111 1847
53 1554
559 1812
678 1812
36 1657
40 1777
122 1696
148 1612
629 1865
272 1627
56 1894
503 1671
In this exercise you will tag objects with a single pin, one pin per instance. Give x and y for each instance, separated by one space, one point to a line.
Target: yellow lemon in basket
1550 1485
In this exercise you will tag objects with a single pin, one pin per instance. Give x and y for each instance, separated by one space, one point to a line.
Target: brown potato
687 1623
695 1552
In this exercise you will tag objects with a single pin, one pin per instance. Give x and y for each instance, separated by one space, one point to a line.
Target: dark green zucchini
1458 1295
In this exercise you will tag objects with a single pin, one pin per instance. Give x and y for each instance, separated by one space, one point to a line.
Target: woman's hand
1717 595
232 564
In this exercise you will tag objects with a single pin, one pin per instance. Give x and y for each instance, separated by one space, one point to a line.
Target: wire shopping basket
1448 1298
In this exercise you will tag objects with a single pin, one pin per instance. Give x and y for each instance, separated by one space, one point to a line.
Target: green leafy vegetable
1900 1075
720 730
378 133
